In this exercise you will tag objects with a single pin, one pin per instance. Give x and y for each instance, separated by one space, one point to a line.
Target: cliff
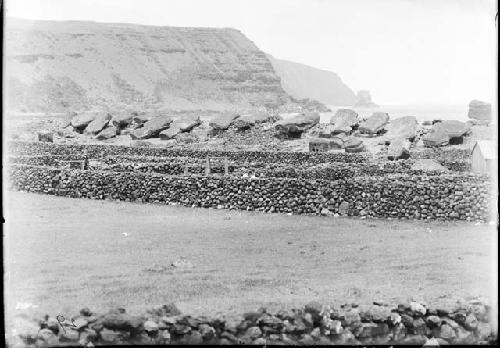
303 81
58 66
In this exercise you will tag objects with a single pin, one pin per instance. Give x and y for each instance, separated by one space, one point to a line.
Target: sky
402 51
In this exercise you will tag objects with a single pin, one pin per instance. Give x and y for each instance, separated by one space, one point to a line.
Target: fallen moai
446 132
344 121
374 124
293 127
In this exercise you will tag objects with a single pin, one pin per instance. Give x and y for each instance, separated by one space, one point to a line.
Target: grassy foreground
62 254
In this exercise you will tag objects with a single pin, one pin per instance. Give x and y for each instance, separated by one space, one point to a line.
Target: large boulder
122 119
294 126
353 145
170 132
444 132
66 121
479 110
246 121
452 128
187 123
399 149
403 127
152 127
344 121
107 133
374 124
98 124
142 118
223 121
339 141
80 121
434 139
180 125
324 131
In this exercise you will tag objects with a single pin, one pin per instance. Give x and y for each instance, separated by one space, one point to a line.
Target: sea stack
364 100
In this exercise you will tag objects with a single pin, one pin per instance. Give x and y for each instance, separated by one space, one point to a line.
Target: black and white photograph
250 172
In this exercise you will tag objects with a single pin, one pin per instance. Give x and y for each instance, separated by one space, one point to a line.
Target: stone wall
104 151
196 165
411 323
445 197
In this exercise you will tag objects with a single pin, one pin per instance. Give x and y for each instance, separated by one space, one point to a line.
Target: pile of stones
314 324
443 197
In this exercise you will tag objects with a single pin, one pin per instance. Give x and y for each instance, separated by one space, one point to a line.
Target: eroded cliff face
55 66
303 81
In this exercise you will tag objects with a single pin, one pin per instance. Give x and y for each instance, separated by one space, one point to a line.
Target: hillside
303 81
58 66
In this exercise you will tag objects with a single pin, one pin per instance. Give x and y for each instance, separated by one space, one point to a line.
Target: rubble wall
443 197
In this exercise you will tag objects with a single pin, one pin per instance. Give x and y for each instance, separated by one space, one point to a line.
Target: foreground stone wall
446 197
411 323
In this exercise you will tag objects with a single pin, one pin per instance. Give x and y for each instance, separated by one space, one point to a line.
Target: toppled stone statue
344 121
293 127
399 149
152 127
446 132
98 123
374 124
403 127
223 121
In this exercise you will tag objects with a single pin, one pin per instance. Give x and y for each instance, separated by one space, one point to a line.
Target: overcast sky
403 51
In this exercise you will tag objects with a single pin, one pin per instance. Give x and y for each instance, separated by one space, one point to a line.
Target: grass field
61 254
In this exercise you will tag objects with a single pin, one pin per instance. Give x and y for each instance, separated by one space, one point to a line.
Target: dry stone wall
443 197
178 166
104 151
314 324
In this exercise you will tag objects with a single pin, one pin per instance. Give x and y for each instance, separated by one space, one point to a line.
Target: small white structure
483 156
